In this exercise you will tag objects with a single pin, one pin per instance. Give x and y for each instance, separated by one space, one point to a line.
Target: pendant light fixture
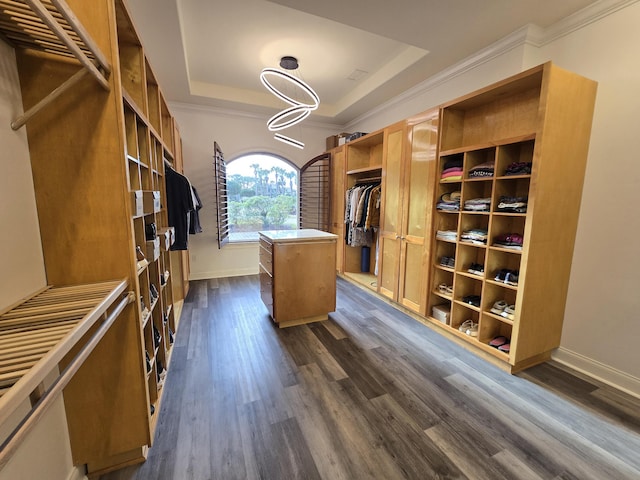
299 109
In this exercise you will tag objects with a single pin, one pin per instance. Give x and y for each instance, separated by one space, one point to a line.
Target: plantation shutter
315 206
222 207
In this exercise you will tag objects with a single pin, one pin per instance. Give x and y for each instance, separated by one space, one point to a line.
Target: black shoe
476 269
156 337
501 275
148 362
511 278
150 231
472 300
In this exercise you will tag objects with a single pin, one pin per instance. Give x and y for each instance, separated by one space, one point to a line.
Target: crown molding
229 112
530 34
588 15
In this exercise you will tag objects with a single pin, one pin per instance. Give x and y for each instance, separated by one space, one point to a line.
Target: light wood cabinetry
297 275
363 164
98 161
513 156
409 171
391 231
541 117
337 176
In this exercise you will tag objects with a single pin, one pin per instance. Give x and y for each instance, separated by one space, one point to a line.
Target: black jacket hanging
179 204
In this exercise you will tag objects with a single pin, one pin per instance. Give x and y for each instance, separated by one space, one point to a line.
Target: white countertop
294 235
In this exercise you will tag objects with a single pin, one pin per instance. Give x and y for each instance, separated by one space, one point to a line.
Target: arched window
262 191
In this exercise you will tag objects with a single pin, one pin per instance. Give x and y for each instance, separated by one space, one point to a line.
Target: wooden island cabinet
298 275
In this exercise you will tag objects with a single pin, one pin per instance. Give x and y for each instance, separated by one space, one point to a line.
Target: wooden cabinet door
337 203
391 210
419 177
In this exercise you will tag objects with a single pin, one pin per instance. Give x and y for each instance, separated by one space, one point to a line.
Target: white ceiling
211 52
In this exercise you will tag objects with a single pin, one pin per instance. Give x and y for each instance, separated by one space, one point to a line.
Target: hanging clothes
362 214
179 205
194 216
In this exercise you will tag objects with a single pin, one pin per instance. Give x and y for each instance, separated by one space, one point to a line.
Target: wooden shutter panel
315 193
222 207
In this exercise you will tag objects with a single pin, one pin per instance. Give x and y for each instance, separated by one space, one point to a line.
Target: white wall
600 334
237 134
46 452
21 258
603 305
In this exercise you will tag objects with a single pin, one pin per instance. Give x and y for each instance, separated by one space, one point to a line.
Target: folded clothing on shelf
518 168
478 204
452 170
475 235
453 174
485 169
509 240
449 201
512 204
449 235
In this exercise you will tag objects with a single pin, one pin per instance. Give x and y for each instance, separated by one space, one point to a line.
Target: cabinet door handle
398 237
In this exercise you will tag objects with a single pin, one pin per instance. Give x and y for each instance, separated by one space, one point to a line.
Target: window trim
314 207
222 200
282 159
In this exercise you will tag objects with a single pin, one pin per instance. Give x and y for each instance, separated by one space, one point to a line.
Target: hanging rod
31 31
369 180
8 448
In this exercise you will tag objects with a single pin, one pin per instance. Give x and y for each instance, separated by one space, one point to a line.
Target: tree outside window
262 195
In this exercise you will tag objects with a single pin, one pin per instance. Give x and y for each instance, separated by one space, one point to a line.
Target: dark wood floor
369 394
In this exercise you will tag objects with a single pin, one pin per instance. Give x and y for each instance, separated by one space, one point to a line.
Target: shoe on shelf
499 341
506 348
472 300
447 261
139 253
498 307
469 327
509 312
511 278
156 337
501 275
476 269
445 289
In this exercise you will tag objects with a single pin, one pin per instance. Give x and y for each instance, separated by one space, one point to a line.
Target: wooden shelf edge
371 168
484 146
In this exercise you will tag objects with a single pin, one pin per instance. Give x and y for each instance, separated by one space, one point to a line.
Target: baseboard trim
599 371
235 272
77 474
